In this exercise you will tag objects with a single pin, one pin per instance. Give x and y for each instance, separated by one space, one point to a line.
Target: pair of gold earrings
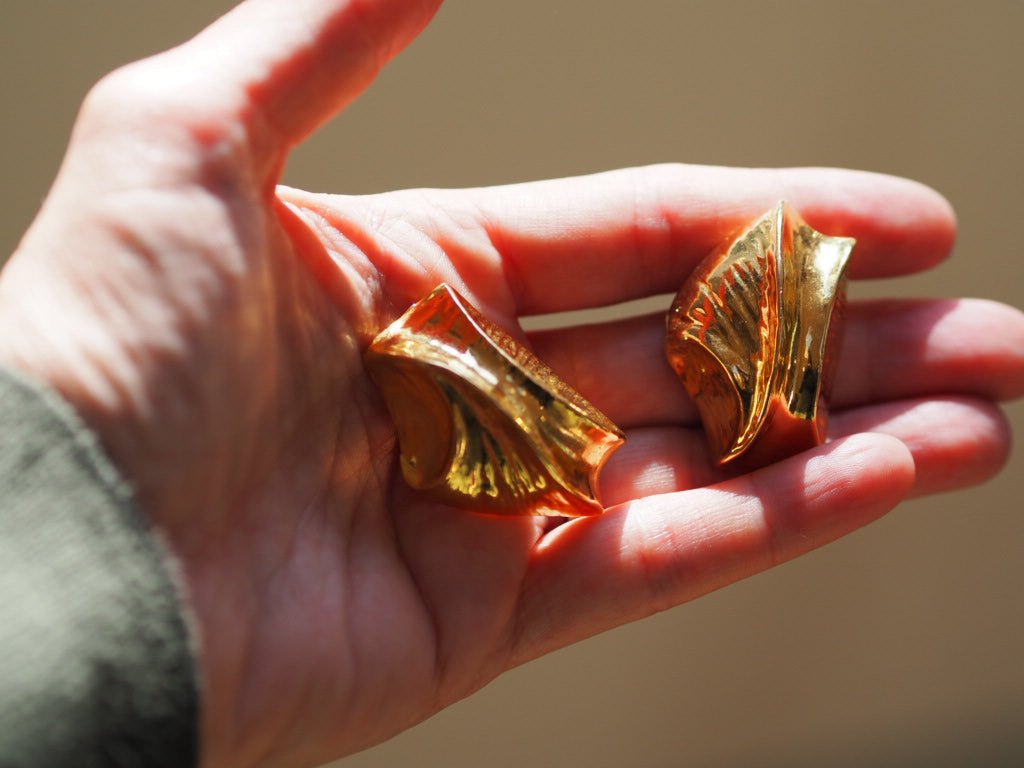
753 334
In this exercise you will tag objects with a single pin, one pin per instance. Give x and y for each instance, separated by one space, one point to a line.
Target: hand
209 326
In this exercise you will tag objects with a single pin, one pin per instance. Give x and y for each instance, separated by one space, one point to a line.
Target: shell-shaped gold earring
482 423
753 335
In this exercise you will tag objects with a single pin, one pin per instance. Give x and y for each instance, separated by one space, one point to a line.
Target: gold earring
753 334
482 423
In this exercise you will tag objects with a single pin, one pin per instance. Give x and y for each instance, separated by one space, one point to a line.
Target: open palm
210 327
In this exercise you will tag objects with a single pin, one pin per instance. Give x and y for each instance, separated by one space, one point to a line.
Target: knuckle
155 102
118 96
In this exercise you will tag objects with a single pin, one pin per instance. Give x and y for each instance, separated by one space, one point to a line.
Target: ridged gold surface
753 333
482 423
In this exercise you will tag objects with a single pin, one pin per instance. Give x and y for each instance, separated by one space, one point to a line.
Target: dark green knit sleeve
96 665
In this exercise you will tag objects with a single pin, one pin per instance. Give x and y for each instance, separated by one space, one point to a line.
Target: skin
209 326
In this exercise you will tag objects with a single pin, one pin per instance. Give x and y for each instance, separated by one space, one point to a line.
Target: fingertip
901 225
956 442
917 229
984 337
1003 329
932 215
876 466
837 487
976 443
880 463
996 450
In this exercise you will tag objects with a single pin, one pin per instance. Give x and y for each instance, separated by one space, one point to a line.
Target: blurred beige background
902 645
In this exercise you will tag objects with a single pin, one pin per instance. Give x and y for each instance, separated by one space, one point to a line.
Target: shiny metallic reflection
482 423
753 335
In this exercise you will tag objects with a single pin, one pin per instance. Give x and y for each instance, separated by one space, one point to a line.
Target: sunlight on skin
215 345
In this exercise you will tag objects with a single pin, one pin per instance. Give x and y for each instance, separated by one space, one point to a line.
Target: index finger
621 235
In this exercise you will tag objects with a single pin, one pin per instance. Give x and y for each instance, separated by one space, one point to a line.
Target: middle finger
890 350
